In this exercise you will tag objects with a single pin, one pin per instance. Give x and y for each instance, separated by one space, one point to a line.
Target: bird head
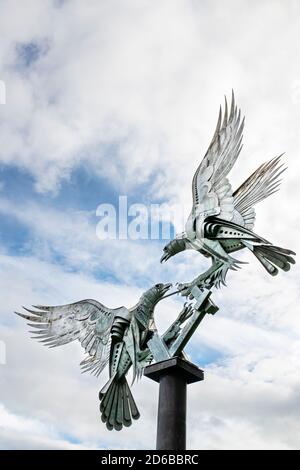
159 290
172 248
155 293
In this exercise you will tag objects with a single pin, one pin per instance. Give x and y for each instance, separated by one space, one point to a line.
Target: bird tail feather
273 257
117 405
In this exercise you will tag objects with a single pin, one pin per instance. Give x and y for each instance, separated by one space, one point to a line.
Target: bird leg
205 280
174 330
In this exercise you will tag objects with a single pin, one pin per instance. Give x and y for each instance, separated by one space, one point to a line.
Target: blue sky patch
30 52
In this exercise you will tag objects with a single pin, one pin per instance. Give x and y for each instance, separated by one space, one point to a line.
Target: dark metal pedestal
173 376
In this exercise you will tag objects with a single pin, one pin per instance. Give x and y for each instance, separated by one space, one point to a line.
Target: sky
101 99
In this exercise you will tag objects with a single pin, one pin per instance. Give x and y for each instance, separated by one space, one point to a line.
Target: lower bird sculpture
116 336
221 220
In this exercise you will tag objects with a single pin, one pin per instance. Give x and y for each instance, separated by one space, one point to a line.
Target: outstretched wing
88 321
261 184
212 193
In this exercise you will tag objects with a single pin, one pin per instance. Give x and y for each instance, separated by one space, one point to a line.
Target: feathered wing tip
273 257
117 405
230 123
35 315
95 365
261 183
225 119
42 324
223 149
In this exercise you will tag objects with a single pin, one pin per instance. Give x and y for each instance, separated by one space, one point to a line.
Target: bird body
221 220
115 336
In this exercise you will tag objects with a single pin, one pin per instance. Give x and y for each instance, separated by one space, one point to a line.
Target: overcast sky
120 97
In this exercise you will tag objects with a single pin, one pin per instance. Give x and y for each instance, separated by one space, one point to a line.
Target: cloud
145 80
130 90
27 433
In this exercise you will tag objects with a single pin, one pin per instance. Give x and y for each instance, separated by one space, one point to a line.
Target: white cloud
18 432
148 77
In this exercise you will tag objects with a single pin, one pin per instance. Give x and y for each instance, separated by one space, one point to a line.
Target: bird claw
188 309
185 313
185 289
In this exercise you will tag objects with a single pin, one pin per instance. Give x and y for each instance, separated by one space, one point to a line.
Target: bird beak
165 257
166 287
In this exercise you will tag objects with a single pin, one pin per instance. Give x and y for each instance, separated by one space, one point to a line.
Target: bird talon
185 289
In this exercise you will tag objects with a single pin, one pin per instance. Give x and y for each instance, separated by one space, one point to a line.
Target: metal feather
221 221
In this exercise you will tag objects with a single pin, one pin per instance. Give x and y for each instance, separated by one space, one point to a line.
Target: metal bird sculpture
221 221
116 336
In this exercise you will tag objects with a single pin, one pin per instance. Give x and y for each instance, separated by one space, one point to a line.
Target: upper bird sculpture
222 220
116 336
